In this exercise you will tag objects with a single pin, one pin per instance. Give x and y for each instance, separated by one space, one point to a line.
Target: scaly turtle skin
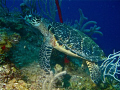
69 41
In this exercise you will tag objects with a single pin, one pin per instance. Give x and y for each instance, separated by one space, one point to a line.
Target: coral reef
111 66
30 41
38 79
16 85
32 77
10 78
6 42
51 79
72 80
8 72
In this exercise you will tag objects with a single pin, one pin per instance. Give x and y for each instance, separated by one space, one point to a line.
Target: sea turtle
69 41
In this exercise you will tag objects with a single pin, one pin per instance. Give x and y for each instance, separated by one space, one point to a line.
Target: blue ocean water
105 12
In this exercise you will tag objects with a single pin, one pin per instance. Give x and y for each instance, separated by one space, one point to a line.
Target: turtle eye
30 17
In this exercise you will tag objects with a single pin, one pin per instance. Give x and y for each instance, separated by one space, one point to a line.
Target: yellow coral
17 85
0 51
14 38
2 42
6 43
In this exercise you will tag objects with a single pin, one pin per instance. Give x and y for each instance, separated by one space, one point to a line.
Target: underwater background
21 57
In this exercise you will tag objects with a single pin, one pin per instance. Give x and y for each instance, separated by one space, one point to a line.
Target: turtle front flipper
95 72
45 54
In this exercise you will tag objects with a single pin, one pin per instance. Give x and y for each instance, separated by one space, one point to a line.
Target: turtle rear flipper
95 72
45 54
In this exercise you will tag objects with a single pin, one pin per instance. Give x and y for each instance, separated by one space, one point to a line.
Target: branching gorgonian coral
111 66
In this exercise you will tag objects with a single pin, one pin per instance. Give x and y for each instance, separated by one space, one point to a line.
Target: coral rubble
10 78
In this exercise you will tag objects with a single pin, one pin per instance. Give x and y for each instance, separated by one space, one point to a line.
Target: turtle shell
77 42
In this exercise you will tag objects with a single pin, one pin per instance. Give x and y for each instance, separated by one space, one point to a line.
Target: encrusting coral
16 85
10 78
6 42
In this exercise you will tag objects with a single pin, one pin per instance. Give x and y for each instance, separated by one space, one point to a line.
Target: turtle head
35 21
40 23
